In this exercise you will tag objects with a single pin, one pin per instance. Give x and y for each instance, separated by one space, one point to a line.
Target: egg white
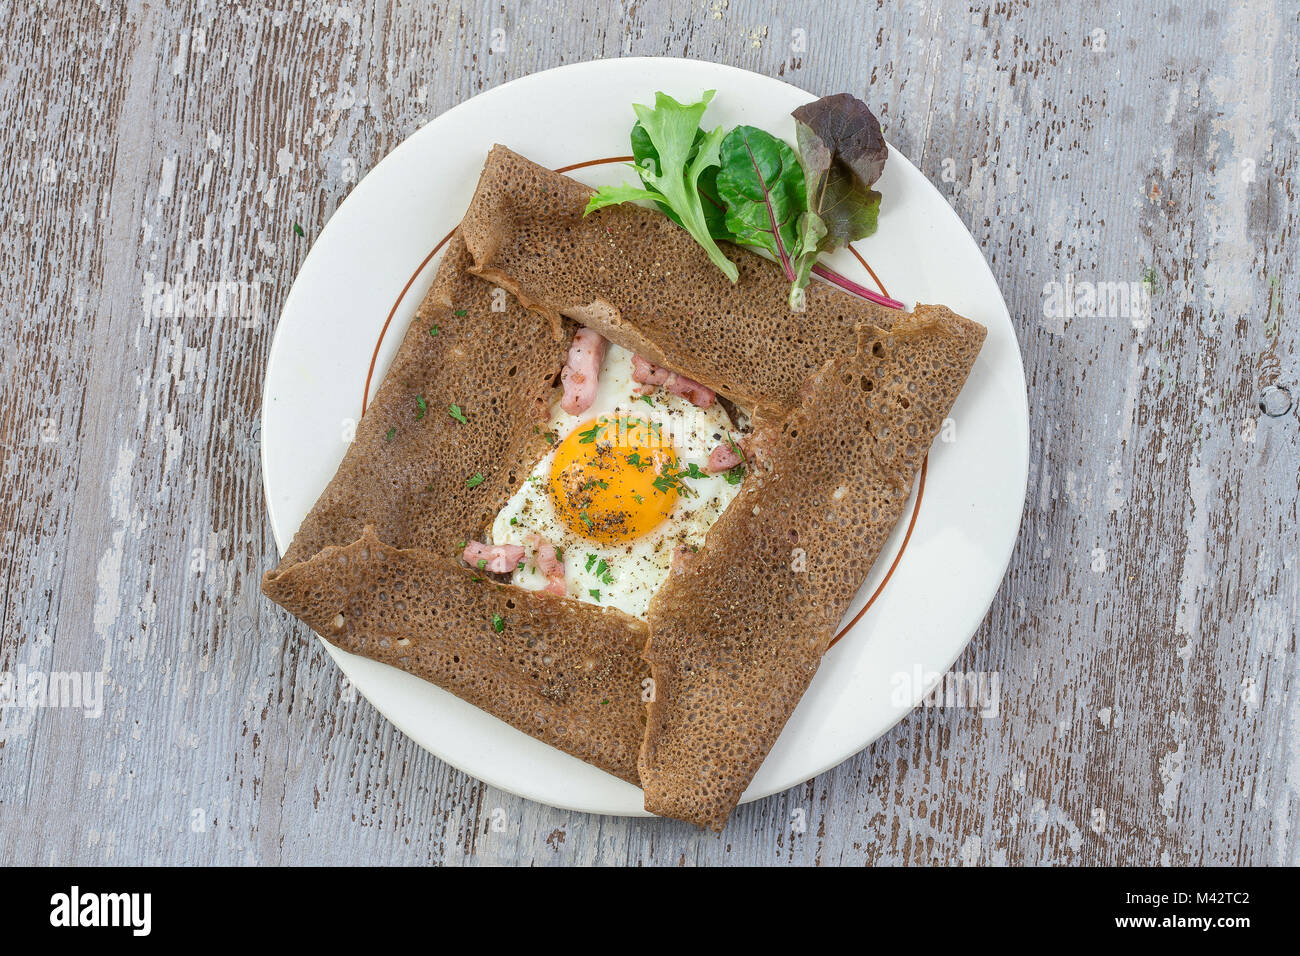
626 574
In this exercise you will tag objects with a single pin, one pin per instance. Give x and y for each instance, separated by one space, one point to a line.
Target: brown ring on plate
920 483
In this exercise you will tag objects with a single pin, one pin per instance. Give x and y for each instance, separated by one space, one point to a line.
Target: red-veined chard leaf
843 153
762 184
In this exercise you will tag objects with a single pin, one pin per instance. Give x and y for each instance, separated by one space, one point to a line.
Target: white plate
375 243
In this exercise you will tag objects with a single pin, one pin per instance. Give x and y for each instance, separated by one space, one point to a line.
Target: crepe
641 281
406 469
737 631
567 673
846 396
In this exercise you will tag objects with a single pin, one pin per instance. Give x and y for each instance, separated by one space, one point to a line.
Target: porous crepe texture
408 468
738 630
565 672
735 639
640 280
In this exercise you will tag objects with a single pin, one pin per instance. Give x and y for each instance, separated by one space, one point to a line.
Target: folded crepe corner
846 396
737 635
566 673
372 569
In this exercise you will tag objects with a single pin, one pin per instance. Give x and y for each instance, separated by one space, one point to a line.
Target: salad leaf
812 230
674 177
715 210
843 153
750 188
762 184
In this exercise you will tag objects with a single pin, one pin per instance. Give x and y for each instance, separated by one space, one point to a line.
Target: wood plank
1144 638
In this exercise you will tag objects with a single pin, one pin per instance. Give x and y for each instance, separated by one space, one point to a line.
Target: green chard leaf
675 160
762 184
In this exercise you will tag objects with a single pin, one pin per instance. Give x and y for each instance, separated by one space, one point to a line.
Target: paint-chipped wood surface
1145 636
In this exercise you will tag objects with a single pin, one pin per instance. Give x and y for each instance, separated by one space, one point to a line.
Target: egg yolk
608 479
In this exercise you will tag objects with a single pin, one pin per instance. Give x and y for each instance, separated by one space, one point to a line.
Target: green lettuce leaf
672 174
715 210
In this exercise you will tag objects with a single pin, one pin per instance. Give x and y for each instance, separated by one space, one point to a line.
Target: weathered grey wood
1146 632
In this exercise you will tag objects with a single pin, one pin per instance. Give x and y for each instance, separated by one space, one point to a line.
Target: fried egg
622 489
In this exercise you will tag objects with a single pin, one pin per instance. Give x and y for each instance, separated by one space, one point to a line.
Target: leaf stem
848 285
771 214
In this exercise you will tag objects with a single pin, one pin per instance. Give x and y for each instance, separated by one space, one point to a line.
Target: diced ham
549 564
650 375
723 458
582 370
647 373
691 390
499 558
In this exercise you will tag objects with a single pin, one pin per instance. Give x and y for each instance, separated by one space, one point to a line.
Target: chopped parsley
586 519
735 447
594 592
590 435
665 483
482 564
591 562
455 412
462 312
475 480
297 230
735 475
434 330
559 554
498 623
421 405
648 399
391 432
670 478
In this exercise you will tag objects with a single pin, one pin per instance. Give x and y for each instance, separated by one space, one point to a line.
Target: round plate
369 263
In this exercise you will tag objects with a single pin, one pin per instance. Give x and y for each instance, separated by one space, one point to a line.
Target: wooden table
1145 636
